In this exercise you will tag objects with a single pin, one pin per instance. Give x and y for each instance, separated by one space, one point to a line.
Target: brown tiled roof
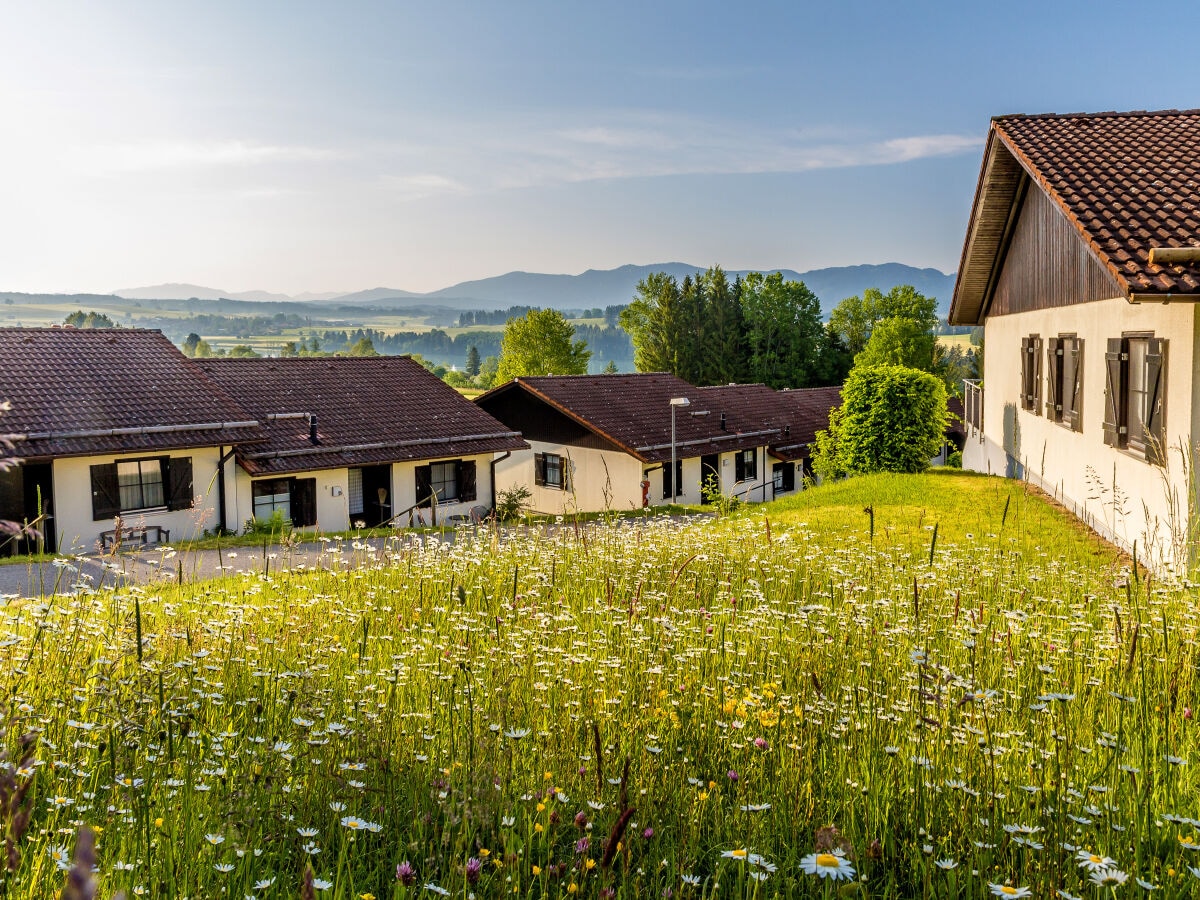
797 414
369 410
1127 182
82 392
633 411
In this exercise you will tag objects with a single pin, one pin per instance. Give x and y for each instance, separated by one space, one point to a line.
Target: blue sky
318 146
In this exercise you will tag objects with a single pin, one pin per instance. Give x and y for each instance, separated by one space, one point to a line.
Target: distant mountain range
590 289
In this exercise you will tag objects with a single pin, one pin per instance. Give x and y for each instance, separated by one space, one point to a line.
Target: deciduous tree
541 343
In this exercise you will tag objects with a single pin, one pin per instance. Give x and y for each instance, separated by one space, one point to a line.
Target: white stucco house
604 442
110 423
358 440
1082 263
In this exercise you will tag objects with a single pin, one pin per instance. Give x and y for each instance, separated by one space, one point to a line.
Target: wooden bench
135 537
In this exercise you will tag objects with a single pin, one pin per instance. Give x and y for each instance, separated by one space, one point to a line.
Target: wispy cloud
157 155
420 185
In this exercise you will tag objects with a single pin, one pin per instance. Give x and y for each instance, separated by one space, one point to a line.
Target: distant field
955 340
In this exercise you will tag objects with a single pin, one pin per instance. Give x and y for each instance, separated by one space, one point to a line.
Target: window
552 471
141 483
131 485
270 496
354 492
450 481
745 465
1064 381
443 481
1135 394
783 475
1031 374
296 498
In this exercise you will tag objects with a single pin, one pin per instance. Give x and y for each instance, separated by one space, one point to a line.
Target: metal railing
973 406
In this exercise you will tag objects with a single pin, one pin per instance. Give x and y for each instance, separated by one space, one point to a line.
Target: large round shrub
893 419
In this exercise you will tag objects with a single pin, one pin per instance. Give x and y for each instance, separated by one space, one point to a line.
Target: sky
315 146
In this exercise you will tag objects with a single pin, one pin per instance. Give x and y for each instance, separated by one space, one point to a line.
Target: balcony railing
973 406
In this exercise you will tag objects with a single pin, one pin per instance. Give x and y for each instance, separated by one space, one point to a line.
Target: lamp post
675 403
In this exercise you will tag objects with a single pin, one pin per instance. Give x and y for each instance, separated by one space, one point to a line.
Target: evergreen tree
652 321
472 361
783 330
724 343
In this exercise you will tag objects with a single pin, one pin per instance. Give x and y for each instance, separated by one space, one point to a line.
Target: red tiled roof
369 410
83 392
1128 182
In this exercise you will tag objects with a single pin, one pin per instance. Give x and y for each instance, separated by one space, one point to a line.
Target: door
27 492
710 473
376 495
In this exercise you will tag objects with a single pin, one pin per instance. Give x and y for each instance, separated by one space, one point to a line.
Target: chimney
312 428
722 421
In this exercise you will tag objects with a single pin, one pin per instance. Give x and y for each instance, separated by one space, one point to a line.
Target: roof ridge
1107 114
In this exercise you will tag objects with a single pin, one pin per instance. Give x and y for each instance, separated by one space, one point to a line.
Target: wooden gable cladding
1047 264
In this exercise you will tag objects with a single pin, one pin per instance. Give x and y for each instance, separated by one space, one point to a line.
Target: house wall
593 472
332 509
1116 491
77 532
754 490
333 494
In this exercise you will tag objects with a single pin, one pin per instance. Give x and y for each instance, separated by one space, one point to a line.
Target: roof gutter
1164 298
124 432
380 445
712 440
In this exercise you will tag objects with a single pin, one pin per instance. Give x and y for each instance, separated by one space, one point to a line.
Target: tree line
709 330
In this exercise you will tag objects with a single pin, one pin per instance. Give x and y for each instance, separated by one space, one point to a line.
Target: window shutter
106 492
789 477
1114 393
424 486
567 473
666 469
1026 374
1036 355
466 480
179 482
1054 379
1073 385
1156 395
539 469
303 501
739 466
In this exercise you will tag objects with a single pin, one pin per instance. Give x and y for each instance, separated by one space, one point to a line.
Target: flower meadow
800 700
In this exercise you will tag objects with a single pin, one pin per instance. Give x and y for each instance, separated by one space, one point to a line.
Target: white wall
404 490
333 495
332 508
593 472
1115 491
78 533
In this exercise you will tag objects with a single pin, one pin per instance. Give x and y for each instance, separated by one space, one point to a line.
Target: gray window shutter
179 482
466 480
1026 374
1073 385
1156 391
539 469
106 492
1036 356
1114 393
1054 379
424 486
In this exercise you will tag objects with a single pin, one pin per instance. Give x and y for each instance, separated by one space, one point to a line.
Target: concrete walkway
152 565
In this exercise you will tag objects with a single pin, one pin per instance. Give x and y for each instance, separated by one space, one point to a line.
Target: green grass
998 702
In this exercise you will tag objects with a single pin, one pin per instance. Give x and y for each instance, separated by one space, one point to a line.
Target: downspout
225 457
495 460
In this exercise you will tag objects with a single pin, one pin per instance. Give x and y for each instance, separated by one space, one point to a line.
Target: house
111 422
355 440
601 442
1082 263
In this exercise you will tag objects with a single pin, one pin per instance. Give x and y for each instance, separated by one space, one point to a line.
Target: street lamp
675 402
